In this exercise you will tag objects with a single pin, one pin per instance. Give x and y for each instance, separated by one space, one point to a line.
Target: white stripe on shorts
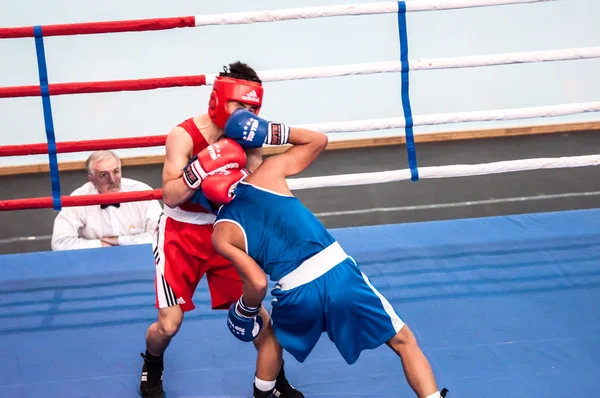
396 321
164 293
158 242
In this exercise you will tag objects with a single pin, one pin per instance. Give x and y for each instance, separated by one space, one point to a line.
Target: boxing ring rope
309 72
331 127
457 117
84 145
403 66
80 200
339 180
465 170
141 25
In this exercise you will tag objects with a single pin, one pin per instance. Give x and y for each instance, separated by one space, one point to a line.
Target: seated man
116 224
263 229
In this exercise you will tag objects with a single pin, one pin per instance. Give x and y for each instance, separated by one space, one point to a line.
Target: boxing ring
502 306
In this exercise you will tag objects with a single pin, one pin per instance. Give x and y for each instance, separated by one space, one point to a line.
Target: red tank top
199 144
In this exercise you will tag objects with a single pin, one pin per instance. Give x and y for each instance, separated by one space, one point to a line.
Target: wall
290 44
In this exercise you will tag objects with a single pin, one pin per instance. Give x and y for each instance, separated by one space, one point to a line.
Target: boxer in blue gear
264 230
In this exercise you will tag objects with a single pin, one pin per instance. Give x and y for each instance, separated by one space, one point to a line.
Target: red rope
88 28
82 146
104 87
80 200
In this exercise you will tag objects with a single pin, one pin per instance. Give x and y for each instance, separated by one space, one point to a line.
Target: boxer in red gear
182 243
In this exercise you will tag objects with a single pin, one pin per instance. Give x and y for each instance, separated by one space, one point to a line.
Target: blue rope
410 141
45 92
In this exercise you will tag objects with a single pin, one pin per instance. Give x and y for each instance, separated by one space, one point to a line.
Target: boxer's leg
178 273
225 289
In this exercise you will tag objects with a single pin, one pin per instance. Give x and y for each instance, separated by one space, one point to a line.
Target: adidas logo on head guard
230 89
251 96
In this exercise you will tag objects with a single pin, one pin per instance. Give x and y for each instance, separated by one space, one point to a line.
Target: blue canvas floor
502 307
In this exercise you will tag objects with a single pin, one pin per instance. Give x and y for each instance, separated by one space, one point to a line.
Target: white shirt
82 227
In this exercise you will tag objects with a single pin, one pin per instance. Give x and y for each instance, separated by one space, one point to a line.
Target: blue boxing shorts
329 293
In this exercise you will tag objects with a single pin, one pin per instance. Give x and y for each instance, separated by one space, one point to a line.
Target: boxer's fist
221 155
251 131
218 187
244 322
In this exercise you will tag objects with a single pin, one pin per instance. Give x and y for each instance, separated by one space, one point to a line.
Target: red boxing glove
219 187
222 155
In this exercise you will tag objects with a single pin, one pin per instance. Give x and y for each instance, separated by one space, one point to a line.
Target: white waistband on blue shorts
314 267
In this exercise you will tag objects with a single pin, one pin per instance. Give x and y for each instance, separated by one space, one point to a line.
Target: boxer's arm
307 145
229 242
179 147
255 158
272 173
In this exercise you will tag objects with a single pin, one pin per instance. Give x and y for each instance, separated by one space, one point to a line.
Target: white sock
434 395
265 385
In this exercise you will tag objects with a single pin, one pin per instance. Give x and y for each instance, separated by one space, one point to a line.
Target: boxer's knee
169 321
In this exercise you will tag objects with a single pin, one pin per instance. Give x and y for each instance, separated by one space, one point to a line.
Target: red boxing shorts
183 253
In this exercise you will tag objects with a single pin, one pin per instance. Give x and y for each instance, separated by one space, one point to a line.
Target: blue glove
244 322
251 131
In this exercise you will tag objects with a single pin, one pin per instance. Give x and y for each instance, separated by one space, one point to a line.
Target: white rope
347 9
458 117
423 64
505 59
437 5
461 170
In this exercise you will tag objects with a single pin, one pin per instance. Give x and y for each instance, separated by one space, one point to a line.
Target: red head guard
229 89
